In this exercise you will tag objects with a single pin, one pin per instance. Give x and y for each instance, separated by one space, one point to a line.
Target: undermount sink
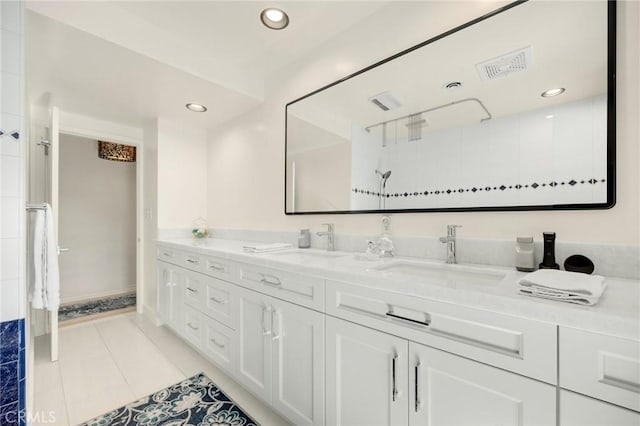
302 254
442 273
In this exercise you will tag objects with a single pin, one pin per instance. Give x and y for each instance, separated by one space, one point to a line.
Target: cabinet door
164 291
298 363
253 349
177 278
446 389
580 410
366 376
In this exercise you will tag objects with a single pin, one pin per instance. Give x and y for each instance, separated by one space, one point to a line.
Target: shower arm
476 100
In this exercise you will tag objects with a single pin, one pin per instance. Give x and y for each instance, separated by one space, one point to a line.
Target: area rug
196 401
92 307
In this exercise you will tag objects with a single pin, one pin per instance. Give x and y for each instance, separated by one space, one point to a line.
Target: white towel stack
571 287
265 248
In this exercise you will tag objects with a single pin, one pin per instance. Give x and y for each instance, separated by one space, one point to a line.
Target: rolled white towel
264 248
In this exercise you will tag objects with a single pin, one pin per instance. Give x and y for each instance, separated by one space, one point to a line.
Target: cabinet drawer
218 344
601 366
220 301
297 288
580 410
194 289
217 267
170 255
193 326
193 261
516 344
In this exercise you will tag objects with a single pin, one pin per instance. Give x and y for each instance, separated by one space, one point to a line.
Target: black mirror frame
611 126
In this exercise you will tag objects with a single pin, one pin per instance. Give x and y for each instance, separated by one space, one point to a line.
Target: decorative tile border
12 372
479 189
15 134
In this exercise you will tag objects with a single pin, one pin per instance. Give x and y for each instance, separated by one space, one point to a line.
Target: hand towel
264 248
44 286
563 286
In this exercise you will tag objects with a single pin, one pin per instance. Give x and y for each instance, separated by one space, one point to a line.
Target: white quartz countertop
617 313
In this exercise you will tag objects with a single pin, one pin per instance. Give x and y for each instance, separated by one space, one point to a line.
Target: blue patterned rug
196 402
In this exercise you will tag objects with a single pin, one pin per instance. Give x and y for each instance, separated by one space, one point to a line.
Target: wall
97 220
12 215
245 158
182 176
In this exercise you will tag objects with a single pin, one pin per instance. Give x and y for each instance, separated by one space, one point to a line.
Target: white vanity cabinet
366 376
374 378
580 410
171 280
280 355
446 389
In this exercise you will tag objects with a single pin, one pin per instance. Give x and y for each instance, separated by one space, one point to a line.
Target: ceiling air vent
385 101
502 66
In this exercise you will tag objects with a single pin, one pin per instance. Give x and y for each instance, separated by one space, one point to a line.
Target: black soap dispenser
549 256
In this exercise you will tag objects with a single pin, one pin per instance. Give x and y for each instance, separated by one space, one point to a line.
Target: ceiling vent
385 101
502 66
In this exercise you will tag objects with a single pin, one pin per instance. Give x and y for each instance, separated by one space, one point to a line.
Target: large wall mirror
512 111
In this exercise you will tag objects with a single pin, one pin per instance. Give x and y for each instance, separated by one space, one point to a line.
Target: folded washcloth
264 248
563 286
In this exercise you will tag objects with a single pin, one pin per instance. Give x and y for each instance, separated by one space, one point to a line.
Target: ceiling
132 61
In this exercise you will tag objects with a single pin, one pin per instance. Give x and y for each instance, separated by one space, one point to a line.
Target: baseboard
151 315
99 295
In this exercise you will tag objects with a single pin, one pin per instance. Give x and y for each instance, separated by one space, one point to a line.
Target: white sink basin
307 254
441 273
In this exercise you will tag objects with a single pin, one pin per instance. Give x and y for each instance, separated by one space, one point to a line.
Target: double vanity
337 338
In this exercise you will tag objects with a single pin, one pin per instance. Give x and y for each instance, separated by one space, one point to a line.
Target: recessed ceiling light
552 92
274 18
196 107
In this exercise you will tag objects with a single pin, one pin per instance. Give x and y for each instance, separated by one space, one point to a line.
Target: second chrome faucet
450 241
331 246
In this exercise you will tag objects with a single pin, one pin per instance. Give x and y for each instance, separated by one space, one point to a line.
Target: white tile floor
110 362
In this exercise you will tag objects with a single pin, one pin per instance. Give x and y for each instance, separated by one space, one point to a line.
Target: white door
298 363
446 389
253 349
580 410
366 376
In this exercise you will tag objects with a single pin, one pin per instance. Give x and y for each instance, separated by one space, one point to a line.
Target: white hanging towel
44 288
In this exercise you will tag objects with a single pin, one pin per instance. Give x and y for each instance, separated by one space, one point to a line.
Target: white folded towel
44 288
265 248
563 286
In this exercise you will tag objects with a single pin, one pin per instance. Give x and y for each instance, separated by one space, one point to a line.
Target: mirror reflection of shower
382 188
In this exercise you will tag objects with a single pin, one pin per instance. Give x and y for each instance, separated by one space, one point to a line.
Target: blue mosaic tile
10 415
21 365
9 341
8 383
21 393
21 323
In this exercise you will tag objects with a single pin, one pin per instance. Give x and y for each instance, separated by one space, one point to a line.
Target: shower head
384 175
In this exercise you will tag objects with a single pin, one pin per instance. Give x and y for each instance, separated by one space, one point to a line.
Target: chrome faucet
330 237
450 240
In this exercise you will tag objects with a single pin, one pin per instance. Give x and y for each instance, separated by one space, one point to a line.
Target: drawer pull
424 323
265 331
215 342
191 326
418 403
219 301
193 290
167 254
193 261
267 281
394 391
216 267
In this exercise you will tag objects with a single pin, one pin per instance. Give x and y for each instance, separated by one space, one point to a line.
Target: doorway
97 228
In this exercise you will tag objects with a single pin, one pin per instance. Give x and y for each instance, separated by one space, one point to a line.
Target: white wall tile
10 176
10 55
10 209
8 145
11 16
10 259
11 93
10 308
